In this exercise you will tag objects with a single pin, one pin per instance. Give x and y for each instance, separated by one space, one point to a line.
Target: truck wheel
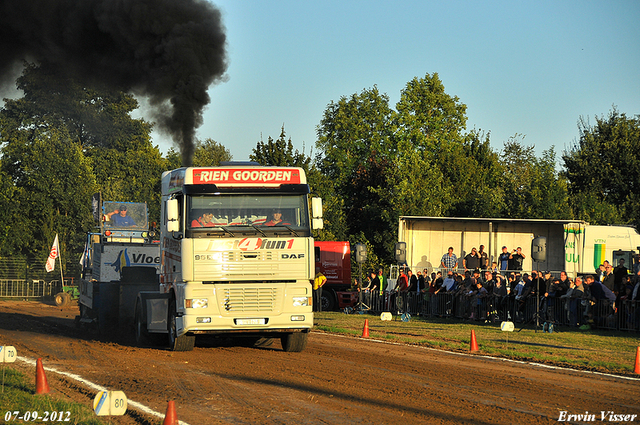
294 342
178 343
62 299
328 301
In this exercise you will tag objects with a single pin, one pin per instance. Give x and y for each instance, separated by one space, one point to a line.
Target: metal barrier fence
17 288
29 270
567 312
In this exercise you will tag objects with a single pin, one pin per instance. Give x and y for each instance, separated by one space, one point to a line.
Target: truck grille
232 256
249 299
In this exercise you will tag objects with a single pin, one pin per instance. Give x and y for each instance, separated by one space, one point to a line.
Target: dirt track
336 380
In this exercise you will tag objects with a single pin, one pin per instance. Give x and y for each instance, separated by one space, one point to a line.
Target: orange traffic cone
637 368
170 418
42 387
474 343
365 330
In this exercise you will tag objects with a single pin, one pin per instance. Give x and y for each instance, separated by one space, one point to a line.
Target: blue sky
527 67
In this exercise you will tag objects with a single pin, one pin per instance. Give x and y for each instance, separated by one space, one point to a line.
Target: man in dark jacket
608 279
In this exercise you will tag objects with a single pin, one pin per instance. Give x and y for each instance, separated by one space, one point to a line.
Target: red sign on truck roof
246 176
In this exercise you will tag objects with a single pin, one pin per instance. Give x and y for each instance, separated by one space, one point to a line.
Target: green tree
51 181
428 116
209 153
431 162
603 170
356 147
173 159
88 133
480 192
280 152
130 175
532 186
93 116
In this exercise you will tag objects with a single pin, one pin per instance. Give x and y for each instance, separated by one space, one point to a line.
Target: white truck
574 246
236 257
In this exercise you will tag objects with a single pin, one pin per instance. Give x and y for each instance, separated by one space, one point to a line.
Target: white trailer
574 246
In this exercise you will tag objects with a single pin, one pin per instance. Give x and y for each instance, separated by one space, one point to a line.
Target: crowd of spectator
501 291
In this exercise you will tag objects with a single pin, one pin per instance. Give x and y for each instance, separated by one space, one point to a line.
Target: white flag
51 261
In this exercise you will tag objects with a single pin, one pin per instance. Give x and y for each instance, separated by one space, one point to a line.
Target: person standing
318 283
484 258
413 281
619 273
449 261
472 260
518 258
402 284
608 279
503 259
383 281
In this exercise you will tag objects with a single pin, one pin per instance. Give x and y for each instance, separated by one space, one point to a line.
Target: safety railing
563 311
19 288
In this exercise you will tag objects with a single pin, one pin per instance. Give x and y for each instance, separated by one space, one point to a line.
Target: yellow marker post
386 316
110 403
8 354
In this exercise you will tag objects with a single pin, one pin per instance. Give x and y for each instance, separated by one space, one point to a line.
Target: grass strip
18 397
596 350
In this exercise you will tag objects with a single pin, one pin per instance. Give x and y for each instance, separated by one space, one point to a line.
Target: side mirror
316 213
173 216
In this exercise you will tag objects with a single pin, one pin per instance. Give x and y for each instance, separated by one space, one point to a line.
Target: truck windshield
125 215
268 212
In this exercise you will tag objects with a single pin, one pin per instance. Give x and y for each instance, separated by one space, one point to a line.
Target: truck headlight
196 303
301 301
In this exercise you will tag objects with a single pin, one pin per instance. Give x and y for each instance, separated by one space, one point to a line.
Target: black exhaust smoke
169 51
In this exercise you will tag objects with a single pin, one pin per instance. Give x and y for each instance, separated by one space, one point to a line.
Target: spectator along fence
531 310
526 310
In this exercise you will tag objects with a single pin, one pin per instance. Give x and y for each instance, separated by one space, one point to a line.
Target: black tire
328 301
178 343
294 342
62 299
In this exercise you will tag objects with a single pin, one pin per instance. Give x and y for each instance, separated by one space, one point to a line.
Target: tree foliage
280 152
209 153
357 146
61 142
50 182
603 170
533 187
420 160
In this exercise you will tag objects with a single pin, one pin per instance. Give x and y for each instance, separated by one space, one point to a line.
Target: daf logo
291 256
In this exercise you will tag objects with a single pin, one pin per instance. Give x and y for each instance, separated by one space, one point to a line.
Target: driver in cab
204 220
276 219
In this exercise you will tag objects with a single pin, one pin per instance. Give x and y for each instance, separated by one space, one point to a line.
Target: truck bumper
289 322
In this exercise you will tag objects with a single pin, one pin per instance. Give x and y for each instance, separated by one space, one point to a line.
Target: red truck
334 260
